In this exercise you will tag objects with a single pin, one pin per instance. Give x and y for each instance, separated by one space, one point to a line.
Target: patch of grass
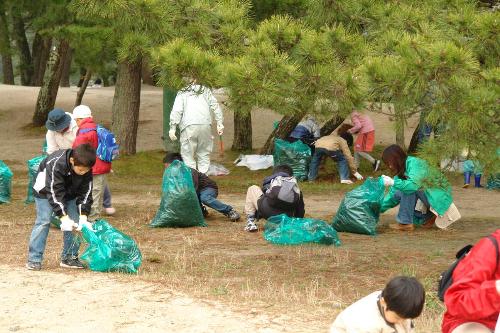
33 131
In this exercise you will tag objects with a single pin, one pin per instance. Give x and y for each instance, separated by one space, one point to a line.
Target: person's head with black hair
283 168
402 298
82 159
395 158
343 132
170 158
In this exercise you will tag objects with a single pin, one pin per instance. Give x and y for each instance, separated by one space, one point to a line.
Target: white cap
81 112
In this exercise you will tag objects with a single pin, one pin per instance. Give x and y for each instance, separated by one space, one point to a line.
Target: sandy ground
63 302
66 302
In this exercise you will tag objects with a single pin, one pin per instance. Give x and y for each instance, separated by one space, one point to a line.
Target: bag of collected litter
297 155
110 250
179 206
493 182
255 162
33 165
5 182
281 229
359 211
216 169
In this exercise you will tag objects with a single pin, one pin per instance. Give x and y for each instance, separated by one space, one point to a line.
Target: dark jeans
208 196
337 156
407 204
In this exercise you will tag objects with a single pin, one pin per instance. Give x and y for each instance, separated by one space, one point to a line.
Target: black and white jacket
57 182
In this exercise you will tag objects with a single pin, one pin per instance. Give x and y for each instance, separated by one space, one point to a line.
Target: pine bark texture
48 91
242 140
19 34
5 49
83 87
285 127
66 69
330 125
41 52
147 74
412 148
126 103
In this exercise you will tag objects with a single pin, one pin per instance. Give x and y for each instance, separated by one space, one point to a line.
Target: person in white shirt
61 130
388 311
191 112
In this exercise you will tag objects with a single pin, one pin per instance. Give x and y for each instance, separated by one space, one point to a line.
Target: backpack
107 148
289 192
446 278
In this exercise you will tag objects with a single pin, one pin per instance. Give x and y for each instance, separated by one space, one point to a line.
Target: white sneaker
346 181
110 211
251 226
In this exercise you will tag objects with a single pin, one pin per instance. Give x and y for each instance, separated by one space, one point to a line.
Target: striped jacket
57 182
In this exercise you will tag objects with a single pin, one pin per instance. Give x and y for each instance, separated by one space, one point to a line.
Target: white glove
220 129
388 181
171 134
67 224
83 222
358 176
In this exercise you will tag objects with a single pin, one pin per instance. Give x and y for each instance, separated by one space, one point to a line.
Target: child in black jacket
63 186
279 194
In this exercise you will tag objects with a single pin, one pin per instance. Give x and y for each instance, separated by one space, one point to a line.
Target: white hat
81 112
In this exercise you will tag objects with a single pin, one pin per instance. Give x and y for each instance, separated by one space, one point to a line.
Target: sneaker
110 211
204 211
430 222
402 227
34 266
71 263
233 215
376 165
465 185
346 181
251 226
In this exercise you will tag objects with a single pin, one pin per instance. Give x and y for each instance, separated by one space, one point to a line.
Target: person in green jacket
414 180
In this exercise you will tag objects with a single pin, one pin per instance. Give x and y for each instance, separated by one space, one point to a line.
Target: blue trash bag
110 250
284 230
5 182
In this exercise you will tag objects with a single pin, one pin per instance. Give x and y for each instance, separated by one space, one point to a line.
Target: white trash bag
216 169
255 162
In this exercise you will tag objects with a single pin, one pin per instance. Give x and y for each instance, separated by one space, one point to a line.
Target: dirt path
86 302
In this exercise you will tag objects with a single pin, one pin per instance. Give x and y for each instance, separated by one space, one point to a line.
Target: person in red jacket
473 299
87 133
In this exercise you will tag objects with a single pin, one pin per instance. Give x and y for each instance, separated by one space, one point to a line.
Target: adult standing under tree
191 112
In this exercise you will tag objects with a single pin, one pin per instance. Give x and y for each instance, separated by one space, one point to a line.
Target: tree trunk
285 127
242 131
147 73
330 125
412 148
83 87
41 53
66 70
19 34
5 49
126 103
48 91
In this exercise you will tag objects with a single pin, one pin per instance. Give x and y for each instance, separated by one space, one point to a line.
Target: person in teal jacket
414 180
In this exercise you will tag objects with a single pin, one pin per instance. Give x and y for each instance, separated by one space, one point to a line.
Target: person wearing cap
61 130
87 133
422 193
191 112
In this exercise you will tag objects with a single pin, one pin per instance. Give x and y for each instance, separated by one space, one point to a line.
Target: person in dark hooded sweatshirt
279 194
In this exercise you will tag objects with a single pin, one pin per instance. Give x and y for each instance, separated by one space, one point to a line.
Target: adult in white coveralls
191 112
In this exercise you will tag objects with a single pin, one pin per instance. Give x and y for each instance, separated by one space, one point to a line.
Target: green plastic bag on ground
493 182
359 211
110 250
281 229
179 206
33 165
5 183
297 155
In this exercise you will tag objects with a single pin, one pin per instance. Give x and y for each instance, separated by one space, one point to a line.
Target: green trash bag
110 250
5 182
493 182
33 165
359 211
297 155
54 221
179 206
281 229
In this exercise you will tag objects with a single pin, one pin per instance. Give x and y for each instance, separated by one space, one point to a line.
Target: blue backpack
107 148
